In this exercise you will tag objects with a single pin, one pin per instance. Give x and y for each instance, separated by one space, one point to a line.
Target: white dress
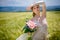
41 33
23 37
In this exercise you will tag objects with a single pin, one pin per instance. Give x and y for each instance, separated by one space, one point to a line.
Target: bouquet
31 24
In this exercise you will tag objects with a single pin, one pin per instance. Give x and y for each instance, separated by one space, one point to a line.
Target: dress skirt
40 33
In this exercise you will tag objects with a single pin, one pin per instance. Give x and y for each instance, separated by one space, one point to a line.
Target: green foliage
54 25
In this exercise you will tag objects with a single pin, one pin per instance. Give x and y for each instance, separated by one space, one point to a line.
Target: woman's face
36 9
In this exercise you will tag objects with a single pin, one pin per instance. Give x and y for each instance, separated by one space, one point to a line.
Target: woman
40 20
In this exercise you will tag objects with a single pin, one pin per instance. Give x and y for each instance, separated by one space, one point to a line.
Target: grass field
11 24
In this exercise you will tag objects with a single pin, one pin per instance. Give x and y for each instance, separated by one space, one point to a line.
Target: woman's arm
43 10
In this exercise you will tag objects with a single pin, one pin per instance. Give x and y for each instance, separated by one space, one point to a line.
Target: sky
27 2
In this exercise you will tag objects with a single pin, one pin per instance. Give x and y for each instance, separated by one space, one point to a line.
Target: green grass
11 24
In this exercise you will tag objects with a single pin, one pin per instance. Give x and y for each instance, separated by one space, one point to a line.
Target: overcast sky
27 2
